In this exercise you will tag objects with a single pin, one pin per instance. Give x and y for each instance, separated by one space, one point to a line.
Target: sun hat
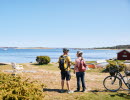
79 52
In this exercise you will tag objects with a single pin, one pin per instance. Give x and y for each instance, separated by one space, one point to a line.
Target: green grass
103 96
114 62
5 67
94 62
98 70
52 67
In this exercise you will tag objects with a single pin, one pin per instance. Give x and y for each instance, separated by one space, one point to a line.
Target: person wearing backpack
79 69
64 66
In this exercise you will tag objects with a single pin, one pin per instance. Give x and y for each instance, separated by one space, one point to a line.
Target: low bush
14 88
43 60
112 66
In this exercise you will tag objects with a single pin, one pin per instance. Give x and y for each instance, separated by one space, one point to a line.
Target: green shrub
43 60
112 66
15 88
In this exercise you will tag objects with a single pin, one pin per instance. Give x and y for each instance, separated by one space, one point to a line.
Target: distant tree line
115 47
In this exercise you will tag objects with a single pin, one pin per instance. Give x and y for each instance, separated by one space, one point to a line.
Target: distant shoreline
69 48
34 48
108 49
59 48
112 49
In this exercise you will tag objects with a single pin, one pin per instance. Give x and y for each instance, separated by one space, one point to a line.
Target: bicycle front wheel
112 83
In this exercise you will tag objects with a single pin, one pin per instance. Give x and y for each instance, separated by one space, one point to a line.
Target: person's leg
68 76
62 84
62 80
78 80
83 80
68 84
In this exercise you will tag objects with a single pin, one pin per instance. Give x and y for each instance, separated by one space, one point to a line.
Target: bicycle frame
119 75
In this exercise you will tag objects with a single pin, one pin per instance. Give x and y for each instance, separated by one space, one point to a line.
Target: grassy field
50 76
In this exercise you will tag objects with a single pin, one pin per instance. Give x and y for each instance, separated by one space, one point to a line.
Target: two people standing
79 69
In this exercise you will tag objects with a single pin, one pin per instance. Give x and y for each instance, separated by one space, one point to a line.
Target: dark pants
80 76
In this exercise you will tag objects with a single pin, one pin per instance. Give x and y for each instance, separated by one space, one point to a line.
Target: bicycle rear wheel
112 83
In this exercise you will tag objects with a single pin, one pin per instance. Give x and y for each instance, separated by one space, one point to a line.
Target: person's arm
75 66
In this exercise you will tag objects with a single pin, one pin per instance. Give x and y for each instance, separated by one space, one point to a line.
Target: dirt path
52 81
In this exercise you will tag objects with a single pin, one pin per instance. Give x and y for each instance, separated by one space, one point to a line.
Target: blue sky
64 23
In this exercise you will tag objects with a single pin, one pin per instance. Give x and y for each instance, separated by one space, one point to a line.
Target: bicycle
114 81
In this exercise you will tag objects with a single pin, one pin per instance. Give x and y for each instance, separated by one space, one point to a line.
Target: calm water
29 55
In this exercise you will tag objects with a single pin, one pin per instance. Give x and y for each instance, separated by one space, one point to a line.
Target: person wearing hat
79 69
64 65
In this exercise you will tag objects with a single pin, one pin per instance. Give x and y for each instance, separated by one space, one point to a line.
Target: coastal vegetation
16 88
113 67
43 60
115 47
44 84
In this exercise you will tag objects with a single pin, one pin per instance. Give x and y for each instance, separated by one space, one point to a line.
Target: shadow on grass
41 64
104 91
36 64
123 95
51 90
98 91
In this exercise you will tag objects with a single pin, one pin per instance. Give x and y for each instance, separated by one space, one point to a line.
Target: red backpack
82 66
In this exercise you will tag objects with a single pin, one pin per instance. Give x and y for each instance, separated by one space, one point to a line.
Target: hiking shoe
69 91
83 91
76 91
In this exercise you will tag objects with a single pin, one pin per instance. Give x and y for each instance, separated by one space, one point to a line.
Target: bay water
29 55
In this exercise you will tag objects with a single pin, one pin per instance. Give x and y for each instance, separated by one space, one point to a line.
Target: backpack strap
83 61
62 56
